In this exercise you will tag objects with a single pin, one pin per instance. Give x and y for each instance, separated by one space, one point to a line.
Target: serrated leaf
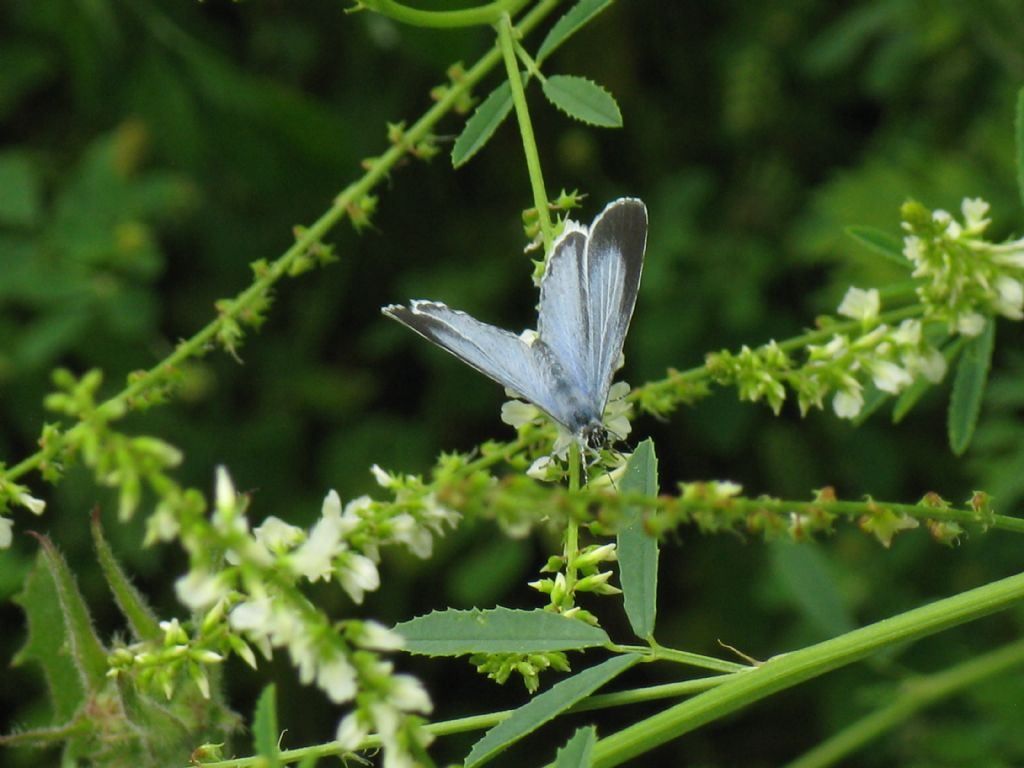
265 732
573 20
497 630
1019 135
969 388
482 124
888 246
583 100
577 750
133 605
45 643
547 706
637 549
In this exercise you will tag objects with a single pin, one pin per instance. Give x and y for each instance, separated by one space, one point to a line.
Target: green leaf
482 124
583 100
969 388
546 706
143 622
265 731
882 243
76 633
46 641
1019 134
576 752
497 630
573 20
21 193
637 549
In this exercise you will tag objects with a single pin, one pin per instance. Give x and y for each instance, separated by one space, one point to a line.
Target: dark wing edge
618 233
562 319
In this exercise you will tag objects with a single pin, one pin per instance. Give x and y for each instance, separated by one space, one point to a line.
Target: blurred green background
151 150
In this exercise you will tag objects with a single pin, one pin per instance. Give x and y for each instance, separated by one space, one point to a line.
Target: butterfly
587 295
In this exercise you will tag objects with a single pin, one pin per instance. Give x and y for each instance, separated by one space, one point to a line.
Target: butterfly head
595 437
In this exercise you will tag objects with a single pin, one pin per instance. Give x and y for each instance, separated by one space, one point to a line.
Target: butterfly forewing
562 319
531 370
614 262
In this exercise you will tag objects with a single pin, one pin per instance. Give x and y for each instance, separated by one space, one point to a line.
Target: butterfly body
587 297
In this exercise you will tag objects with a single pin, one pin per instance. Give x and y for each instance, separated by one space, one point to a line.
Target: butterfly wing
614 260
562 321
531 370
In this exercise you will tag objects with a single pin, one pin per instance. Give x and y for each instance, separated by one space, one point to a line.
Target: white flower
162 525
974 210
225 495
407 694
6 524
544 469
377 637
31 503
405 530
351 731
199 589
861 305
913 249
1011 297
384 479
908 334
358 574
970 324
1009 254
437 515
277 535
889 377
337 678
517 414
254 616
931 363
314 558
848 402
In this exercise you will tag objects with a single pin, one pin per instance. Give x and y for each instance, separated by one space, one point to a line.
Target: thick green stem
572 528
789 669
540 195
917 694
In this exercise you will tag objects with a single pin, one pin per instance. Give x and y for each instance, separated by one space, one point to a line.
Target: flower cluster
249 580
964 277
582 574
12 493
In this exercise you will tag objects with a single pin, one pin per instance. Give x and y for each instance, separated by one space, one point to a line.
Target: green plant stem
786 670
661 653
540 196
489 720
466 17
197 344
571 548
916 695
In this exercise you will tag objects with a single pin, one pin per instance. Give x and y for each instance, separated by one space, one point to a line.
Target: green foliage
577 750
969 388
546 706
637 549
498 630
583 100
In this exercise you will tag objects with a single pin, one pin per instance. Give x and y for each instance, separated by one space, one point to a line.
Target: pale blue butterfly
587 297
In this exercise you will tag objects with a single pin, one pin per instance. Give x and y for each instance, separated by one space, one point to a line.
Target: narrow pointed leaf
888 246
577 750
498 630
265 732
482 124
546 706
573 20
1019 133
583 100
133 605
969 388
637 549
